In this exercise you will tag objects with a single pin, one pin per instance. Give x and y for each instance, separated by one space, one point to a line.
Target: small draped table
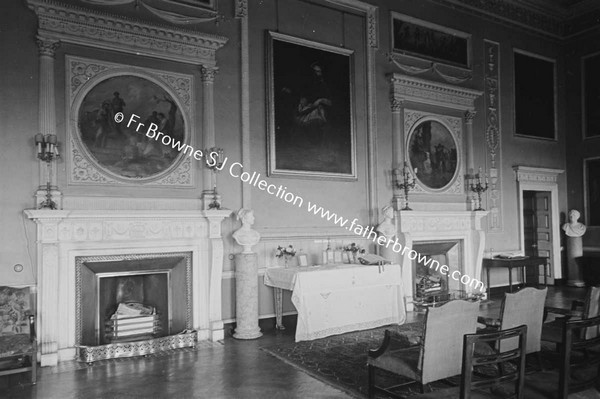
334 299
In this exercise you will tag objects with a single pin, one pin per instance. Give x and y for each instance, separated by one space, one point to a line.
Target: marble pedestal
574 253
246 296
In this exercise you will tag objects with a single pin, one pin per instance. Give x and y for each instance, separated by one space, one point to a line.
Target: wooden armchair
579 363
586 309
475 384
525 307
438 355
18 344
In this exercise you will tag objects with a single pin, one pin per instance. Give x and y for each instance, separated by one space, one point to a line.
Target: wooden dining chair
586 309
436 357
523 307
578 364
475 384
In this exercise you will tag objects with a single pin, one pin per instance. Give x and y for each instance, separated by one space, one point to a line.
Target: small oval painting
120 149
433 154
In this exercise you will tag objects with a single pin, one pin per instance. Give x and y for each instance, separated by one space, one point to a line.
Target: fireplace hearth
134 304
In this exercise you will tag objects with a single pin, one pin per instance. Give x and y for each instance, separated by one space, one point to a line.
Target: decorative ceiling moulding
408 88
91 28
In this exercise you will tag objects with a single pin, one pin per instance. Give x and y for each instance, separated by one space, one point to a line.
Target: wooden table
522 262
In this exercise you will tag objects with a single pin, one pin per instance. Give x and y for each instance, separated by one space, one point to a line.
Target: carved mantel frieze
70 24
408 88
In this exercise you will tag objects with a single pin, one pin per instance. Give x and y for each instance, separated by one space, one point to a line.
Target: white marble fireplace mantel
63 235
438 225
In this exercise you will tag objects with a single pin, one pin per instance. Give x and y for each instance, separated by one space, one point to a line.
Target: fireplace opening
132 298
431 286
133 306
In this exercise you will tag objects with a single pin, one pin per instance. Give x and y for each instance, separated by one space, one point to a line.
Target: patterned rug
341 360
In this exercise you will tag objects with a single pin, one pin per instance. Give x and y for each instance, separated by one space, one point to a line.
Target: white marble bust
245 235
574 228
387 228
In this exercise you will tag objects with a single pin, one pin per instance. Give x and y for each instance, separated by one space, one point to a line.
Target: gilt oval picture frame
124 152
433 154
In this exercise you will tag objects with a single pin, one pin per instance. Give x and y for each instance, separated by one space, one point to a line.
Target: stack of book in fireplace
132 322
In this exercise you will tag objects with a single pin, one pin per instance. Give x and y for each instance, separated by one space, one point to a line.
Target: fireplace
85 256
452 237
430 284
131 298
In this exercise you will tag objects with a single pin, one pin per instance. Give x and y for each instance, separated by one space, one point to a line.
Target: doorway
537 231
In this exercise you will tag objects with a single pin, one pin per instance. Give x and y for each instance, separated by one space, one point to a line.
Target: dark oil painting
310 103
591 92
413 38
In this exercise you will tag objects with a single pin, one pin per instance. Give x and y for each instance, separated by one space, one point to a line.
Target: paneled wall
280 223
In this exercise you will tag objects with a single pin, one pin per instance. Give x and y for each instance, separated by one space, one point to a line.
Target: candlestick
408 182
477 186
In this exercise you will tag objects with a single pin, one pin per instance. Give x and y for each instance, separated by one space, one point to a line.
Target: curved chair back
524 307
591 310
445 327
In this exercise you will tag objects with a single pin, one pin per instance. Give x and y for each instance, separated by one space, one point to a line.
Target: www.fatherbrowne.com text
254 179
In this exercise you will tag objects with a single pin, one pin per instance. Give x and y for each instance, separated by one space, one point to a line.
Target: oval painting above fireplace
433 154
127 152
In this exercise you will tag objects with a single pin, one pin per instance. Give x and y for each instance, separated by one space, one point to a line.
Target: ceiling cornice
544 17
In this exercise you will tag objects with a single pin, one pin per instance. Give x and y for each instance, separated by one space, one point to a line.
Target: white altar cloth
334 299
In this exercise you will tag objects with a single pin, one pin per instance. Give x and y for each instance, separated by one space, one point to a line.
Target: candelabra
214 161
404 180
478 186
47 152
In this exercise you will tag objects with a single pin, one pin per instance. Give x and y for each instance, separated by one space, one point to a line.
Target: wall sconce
214 161
478 186
47 149
403 179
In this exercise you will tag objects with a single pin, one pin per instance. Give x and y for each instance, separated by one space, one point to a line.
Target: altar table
334 299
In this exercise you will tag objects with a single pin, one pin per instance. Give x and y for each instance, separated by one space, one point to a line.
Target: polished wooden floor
231 369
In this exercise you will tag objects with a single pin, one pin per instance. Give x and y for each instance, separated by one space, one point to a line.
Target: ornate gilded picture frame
310 109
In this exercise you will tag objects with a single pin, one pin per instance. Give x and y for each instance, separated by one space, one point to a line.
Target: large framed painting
121 149
412 36
433 154
111 109
310 109
535 101
591 95
591 175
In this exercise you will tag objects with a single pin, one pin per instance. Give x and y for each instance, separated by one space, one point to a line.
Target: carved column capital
208 73
47 46
241 8
397 105
469 115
